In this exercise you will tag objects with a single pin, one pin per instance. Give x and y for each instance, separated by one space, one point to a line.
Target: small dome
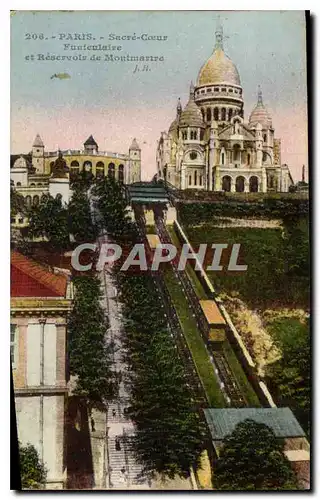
218 69
191 116
20 163
260 114
173 126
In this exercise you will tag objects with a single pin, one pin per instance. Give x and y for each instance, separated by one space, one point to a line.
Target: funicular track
175 330
229 384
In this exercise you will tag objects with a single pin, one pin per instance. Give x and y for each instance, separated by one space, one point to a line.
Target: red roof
31 279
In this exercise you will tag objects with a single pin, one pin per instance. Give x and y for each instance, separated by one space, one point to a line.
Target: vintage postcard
160 309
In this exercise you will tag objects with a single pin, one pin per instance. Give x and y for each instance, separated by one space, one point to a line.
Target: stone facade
209 146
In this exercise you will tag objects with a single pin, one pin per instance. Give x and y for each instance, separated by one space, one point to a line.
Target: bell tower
134 174
38 155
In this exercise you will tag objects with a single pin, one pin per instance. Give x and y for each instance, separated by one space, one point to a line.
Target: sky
114 104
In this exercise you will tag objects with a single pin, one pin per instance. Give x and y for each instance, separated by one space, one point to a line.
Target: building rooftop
31 279
153 240
212 312
147 192
90 142
222 422
38 143
134 145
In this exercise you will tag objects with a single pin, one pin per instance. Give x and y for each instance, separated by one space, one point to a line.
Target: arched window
253 184
18 184
222 158
223 114
230 114
208 115
236 153
248 158
121 173
74 169
36 200
201 135
193 155
200 180
87 166
190 180
100 169
28 201
240 184
264 137
202 111
216 114
111 170
195 178
32 184
226 183
184 135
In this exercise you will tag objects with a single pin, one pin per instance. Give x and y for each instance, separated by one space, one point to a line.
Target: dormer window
223 90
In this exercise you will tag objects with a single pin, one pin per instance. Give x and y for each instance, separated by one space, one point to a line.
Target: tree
81 181
80 220
252 458
290 376
33 473
169 437
50 220
17 204
89 356
112 205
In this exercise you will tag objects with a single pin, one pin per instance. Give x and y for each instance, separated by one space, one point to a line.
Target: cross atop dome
219 36
179 107
259 95
191 89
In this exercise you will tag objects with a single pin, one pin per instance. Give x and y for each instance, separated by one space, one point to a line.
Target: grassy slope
236 367
265 283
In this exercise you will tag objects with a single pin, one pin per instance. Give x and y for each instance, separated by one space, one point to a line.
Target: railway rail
229 384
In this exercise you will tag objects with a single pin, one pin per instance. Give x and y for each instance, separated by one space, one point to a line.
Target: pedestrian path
123 470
